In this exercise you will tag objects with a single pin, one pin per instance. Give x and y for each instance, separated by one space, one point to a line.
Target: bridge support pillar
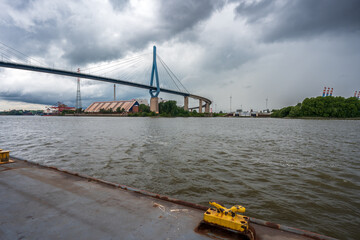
154 104
200 106
186 103
207 107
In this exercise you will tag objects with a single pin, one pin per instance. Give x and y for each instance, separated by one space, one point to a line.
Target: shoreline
202 116
35 192
319 118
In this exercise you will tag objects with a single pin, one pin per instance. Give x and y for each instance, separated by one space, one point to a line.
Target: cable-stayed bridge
123 72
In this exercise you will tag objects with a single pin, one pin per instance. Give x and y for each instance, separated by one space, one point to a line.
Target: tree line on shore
328 107
170 109
22 112
166 109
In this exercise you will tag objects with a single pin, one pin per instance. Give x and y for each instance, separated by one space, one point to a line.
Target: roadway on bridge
97 78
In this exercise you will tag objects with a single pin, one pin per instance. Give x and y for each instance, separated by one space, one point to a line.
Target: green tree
336 107
295 111
144 108
168 108
102 110
120 110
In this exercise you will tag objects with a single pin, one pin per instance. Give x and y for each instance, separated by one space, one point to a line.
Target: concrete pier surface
39 202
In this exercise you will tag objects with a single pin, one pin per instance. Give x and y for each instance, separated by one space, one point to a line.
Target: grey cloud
178 16
255 11
90 51
302 18
176 20
61 32
19 4
218 48
119 5
37 39
227 57
29 42
46 98
38 97
83 44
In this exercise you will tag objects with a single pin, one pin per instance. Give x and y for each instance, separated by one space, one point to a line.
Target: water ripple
301 173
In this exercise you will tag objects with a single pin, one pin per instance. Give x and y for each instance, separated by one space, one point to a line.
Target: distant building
142 101
54 110
128 106
162 100
241 113
265 113
49 111
253 113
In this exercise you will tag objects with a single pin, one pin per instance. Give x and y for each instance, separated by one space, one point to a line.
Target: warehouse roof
96 106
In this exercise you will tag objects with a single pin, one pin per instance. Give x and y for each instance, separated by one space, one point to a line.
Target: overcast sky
251 50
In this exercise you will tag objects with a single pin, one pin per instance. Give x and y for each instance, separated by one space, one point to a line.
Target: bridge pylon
78 105
154 101
200 105
186 103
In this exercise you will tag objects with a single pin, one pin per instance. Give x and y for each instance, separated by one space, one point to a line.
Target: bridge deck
62 72
44 203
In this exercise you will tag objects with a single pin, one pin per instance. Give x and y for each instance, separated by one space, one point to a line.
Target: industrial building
56 110
131 106
142 101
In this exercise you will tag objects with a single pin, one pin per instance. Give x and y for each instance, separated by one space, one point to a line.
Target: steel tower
78 105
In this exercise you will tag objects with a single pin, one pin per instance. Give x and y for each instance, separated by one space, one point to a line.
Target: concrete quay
39 202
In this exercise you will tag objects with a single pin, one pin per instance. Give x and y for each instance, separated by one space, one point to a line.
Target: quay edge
42 202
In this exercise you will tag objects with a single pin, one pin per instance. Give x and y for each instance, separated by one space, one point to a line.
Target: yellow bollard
228 218
4 157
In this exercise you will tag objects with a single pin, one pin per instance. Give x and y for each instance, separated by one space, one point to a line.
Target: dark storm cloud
255 11
227 57
37 98
175 18
119 5
34 40
301 18
218 43
82 43
51 98
58 30
19 4
82 52
178 16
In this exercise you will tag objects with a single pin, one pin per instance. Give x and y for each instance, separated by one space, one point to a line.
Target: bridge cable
131 68
166 76
6 56
14 57
116 62
171 78
115 65
26 56
132 71
172 73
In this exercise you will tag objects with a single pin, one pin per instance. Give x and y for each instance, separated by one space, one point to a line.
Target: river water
300 173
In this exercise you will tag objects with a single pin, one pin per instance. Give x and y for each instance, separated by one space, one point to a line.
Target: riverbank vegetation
166 109
22 112
170 109
325 107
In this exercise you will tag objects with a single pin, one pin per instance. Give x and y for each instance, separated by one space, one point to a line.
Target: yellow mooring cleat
228 218
5 157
